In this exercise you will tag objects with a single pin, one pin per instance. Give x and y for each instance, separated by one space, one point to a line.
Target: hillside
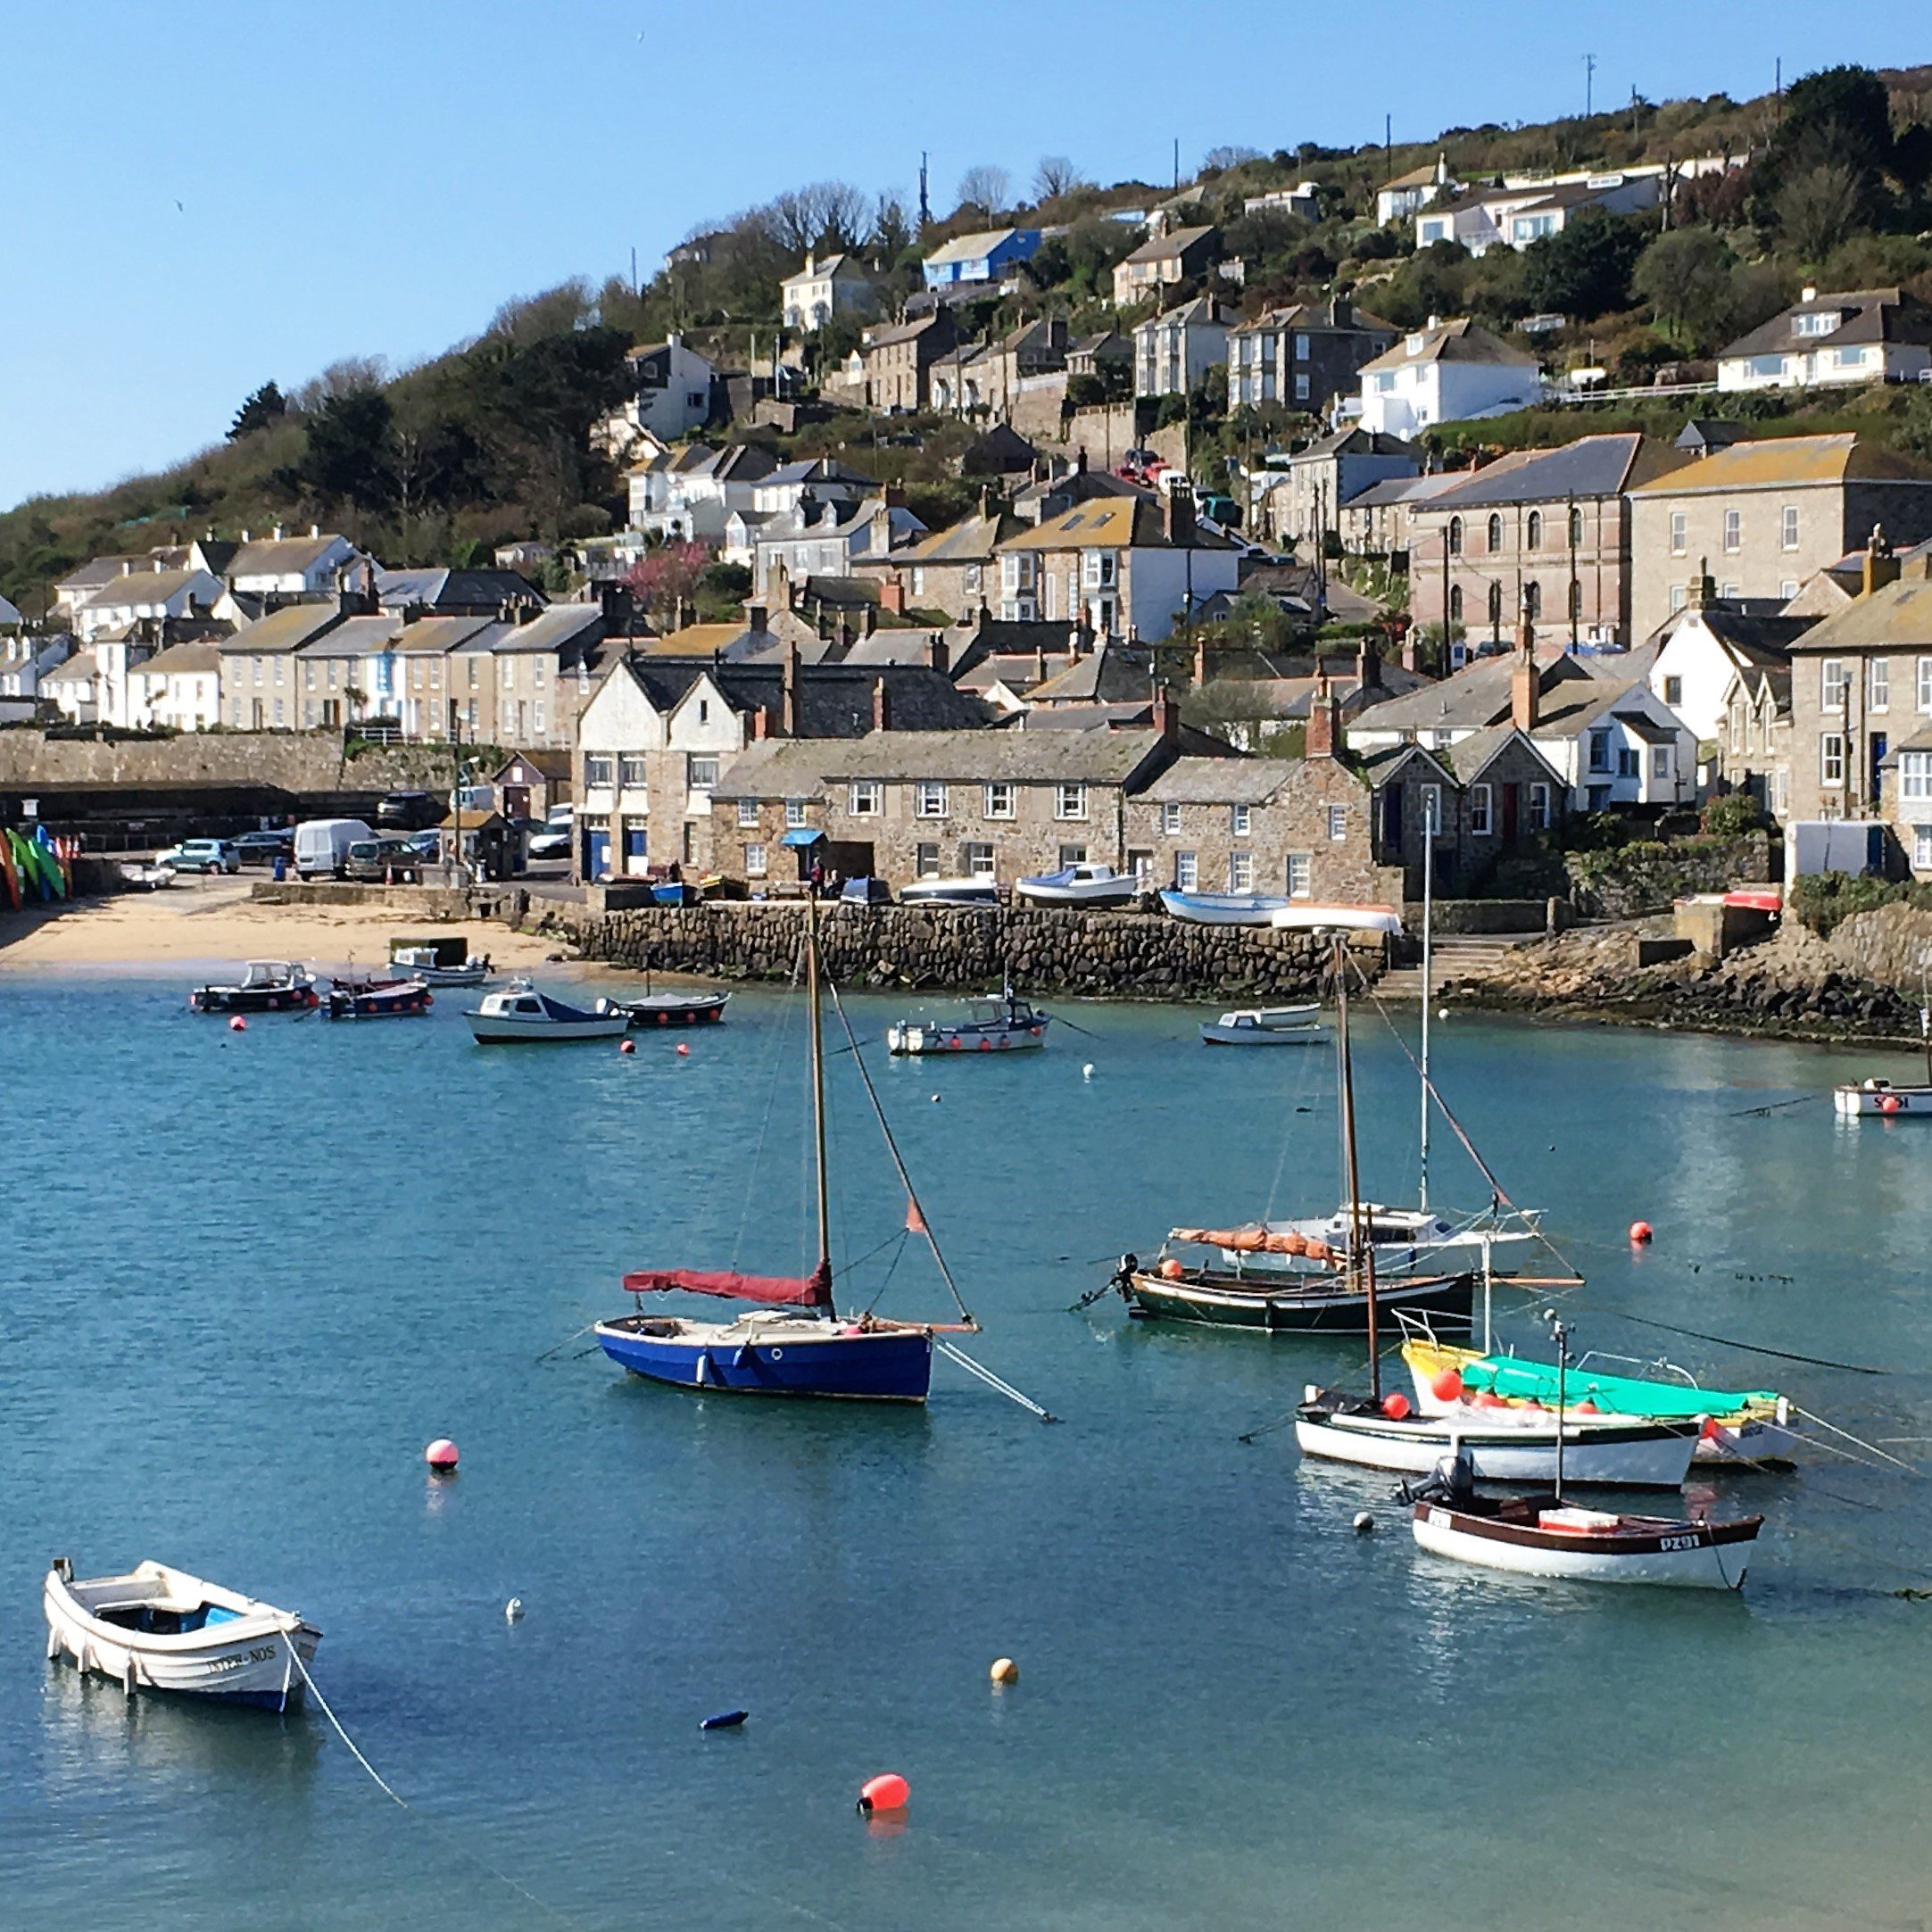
488 443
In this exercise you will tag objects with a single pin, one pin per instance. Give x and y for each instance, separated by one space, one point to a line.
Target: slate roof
1469 757
835 700
1866 315
1111 523
1110 674
285 628
140 587
970 247
1479 694
970 541
1404 490
82 664
1898 614
1350 441
1314 317
1104 757
454 590
280 556
354 637
559 627
97 571
1169 247
1221 781
1591 466
1751 636
435 636
1460 340
197 657
1779 462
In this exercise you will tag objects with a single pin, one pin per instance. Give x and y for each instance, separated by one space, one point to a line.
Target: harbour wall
1113 955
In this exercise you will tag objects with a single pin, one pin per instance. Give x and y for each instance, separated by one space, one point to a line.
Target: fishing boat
1403 1239
673 1010
1082 885
160 1629
265 986
1543 1536
422 963
997 1023
1264 1026
1857 1099
793 1341
377 1000
1733 1425
1299 916
520 1013
681 892
1168 1291
1221 908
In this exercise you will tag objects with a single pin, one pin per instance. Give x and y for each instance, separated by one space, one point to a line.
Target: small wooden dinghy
158 1628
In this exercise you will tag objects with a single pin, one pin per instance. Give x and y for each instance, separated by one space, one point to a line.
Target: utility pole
1388 136
926 207
1177 164
1589 79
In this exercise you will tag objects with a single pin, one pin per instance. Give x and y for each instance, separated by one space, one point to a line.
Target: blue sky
195 197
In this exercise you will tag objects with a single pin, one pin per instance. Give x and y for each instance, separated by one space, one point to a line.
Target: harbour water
245 1277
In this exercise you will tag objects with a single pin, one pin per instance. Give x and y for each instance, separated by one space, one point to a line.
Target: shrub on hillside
1825 901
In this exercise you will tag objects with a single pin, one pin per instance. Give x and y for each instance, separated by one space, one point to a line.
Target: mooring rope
991 1381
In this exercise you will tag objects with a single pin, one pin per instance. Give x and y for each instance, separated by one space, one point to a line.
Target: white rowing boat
160 1629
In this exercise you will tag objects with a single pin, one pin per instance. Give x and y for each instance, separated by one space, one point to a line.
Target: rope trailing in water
1774 1107
390 1791
564 1344
991 1381
916 1222
1726 1342
1910 1469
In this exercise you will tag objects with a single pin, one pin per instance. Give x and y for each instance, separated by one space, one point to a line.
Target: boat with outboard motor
1281 1304
160 1629
1264 1026
673 1010
995 1023
265 986
520 1013
423 963
1081 884
377 1000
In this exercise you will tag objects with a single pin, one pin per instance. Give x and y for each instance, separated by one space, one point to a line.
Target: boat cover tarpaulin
812 1290
1252 1239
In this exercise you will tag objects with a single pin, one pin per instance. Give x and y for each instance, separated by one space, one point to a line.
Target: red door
1509 813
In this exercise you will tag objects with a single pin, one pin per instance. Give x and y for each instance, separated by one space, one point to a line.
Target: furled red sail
812 1290
1252 1240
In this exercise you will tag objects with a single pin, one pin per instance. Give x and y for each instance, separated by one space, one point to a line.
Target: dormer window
1413 345
1821 323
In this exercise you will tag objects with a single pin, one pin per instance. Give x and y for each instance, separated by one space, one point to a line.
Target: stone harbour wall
1648 877
1117 955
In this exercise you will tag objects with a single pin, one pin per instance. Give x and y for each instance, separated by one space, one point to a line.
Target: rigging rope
991 1381
1726 1342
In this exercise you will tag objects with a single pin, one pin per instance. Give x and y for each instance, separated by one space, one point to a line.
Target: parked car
407 811
264 848
865 892
381 860
201 855
322 845
551 843
428 846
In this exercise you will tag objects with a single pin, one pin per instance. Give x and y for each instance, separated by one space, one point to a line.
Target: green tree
266 405
1840 118
1686 277
346 455
1818 207
1584 269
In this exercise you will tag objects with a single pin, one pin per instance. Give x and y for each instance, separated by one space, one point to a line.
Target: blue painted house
983 257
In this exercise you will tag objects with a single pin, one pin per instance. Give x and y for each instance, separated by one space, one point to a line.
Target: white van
322 846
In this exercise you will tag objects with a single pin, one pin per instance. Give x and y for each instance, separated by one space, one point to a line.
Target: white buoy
1442 1013
1365 1522
1086 1073
935 1099
513 1611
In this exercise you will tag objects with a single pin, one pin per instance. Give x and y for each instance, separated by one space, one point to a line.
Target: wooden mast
1361 1252
818 1090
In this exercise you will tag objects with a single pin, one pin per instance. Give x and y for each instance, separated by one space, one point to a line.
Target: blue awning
802 835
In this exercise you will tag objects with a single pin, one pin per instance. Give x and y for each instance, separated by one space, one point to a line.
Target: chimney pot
1324 721
938 655
882 706
1525 691
1880 566
1167 716
315 529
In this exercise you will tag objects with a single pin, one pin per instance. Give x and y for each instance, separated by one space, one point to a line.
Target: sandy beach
213 922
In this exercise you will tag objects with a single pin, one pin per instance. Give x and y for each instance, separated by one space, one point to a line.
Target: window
1301 348
1915 777
754 861
1677 598
1627 766
1787 527
1496 605
1536 529
536 715
862 797
1832 683
1576 599
979 859
1069 802
1432 810
278 706
1016 571
1599 750
1680 532
1187 872
1170 817
1532 600
1072 854
704 773
308 676
1300 875
308 712
997 801
1673 690
1576 528
925 861
1831 759
506 672
1455 603
1479 811
597 773
747 814
1455 536
794 815
1240 872
1660 761
1238 819
1921 848
1734 531
631 771
1337 823
1879 684
1540 807
257 671
333 668
1098 569
929 800
1788 589
1301 388
1495 532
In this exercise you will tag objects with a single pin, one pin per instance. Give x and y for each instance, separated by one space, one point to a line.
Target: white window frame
1922 677
701 772
1832 684
600 771
864 798
1171 820
1337 824
979 858
795 820
1540 805
757 861
1299 873
1831 759
1915 777
1660 761
929 799
1879 684
1734 532
632 771
1240 818
1787 527
1241 871
1187 872
926 860
1070 801
748 815
1921 848
1479 811
999 800
1679 532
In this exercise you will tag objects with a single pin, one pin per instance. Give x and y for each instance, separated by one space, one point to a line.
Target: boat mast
818 1085
1562 1366
1429 912
1361 1252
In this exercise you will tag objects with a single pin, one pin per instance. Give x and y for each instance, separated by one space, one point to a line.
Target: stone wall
1891 946
295 762
1646 877
1113 954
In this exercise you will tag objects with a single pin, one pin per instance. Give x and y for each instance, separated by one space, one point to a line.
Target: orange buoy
627 1046
237 1024
1585 1407
1640 1234
441 1455
1445 1386
1172 1270
886 1793
684 1050
1394 1406
1889 1105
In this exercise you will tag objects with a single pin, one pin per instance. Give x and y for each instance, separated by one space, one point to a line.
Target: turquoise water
245 1278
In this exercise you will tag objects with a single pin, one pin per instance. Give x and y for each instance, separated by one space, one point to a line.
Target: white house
1833 341
1446 373
1705 647
280 568
25 661
1398 200
670 396
1172 351
179 687
825 287
1520 208
73 686
1300 200
823 540
689 493
147 593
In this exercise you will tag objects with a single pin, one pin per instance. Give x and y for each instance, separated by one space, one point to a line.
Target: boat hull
1220 908
1687 1554
890 1364
915 1036
253 999
382 1003
1886 1103
1111 895
675 1009
1636 1456
1221 1302
1215 1034
509 1030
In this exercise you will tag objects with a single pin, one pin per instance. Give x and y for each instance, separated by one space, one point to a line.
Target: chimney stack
616 600
882 706
892 596
1368 668
1324 721
789 710
1409 651
1880 566
1200 662
1167 716
938 653
754 618
761 724
1177 515
1525 693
